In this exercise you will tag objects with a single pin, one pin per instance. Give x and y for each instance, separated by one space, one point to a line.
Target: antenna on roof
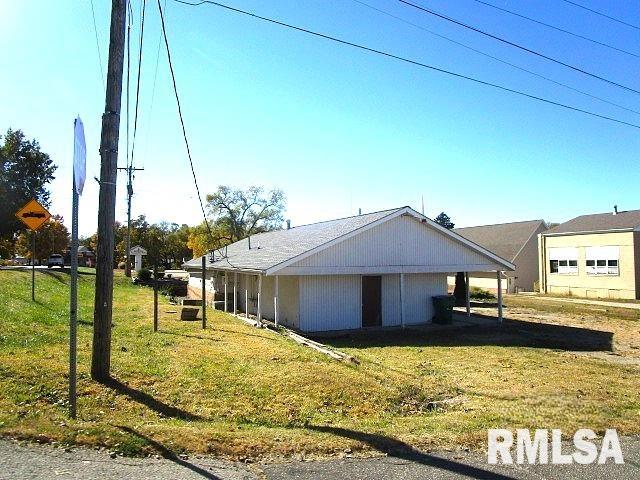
423 204
615 209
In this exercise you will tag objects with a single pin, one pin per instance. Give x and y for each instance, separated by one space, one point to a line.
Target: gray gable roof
272 248
629 219
504 239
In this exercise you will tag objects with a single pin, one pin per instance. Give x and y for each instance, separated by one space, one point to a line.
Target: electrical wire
184 131
409 61
95 30
548 25
602 14
153 90
500 39
129 16
135 118
480 52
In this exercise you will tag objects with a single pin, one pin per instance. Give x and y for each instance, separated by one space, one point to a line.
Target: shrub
480 294
145 275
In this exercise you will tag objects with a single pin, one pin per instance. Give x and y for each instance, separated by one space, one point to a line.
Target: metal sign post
155 297
79 168
33 266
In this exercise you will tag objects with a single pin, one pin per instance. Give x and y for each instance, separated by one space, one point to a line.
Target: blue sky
336 128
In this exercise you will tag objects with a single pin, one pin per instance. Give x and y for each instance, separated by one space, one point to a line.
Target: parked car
55 260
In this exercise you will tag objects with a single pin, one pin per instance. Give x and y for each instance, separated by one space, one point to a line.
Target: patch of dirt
626 333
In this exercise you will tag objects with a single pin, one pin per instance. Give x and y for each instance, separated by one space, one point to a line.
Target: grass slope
237 391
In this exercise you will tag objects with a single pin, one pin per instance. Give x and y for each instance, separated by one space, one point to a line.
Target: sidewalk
32 461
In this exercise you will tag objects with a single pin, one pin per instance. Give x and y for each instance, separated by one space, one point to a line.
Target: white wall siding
330 302
418 289
289 306
402 241
391 300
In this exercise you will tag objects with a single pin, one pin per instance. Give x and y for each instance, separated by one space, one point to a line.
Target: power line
500 39
153 90
480 52
135 118
602 14
128 46
184 131
95 30
407 60
577 35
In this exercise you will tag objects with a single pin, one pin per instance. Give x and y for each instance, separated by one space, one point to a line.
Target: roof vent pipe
615 209
249 239
288 224
359 211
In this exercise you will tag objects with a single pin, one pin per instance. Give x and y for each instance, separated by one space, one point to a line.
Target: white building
375 270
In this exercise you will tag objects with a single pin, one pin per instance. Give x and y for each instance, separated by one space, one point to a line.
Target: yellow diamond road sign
33 215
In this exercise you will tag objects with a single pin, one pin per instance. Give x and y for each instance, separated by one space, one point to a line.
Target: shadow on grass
149 401
398 449
169 455
485 331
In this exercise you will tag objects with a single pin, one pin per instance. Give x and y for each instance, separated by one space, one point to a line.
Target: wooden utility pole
101 357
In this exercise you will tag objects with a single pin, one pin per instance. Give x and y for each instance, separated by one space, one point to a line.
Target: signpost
33 215
79 174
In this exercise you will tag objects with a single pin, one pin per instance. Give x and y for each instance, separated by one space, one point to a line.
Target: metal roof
599 222
272 248
504 239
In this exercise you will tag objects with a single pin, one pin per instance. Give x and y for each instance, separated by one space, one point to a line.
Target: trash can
443 306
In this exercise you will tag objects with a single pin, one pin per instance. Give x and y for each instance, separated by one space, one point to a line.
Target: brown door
372 301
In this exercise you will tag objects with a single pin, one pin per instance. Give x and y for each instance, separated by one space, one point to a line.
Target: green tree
460 289
25 172
52 237
444 220
238 213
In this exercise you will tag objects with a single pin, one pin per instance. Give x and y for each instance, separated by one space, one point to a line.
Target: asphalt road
32 461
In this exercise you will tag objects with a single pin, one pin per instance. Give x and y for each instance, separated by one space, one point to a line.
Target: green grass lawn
238 391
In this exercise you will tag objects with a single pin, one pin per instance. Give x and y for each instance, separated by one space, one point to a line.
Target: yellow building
595 256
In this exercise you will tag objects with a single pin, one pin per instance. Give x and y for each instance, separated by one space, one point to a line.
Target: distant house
86 257
516 242
374 270
593 256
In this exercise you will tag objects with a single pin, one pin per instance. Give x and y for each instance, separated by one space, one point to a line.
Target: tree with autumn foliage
51 237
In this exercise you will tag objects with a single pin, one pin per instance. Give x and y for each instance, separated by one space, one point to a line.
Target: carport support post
259 298
499 296
235 292
225 292
467 293
275 302
204 292
402 299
